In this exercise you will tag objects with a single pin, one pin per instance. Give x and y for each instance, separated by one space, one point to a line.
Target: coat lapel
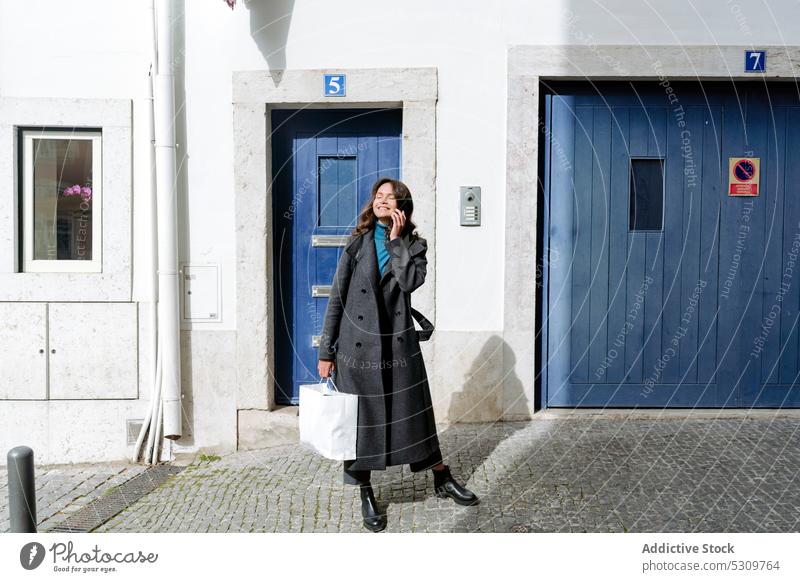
368 260
381 278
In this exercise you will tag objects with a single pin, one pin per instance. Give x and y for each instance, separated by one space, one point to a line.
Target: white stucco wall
89 48
95 49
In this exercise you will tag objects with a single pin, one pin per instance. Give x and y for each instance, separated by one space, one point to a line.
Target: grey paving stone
62 490
562 475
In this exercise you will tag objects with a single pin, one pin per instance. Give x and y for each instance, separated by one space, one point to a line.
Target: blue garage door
324 165
661 289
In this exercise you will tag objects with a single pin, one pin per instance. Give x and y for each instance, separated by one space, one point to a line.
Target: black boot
374 520
445 486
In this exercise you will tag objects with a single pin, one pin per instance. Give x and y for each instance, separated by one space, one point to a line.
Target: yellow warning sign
743 176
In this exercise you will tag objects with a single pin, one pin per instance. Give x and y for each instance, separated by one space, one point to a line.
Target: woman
369 340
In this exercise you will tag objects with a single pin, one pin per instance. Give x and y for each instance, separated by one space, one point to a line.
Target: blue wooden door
661 290
324 165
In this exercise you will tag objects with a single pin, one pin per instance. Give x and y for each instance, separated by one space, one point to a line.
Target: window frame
28 263
663 160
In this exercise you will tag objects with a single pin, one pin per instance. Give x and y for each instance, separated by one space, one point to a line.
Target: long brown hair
366 220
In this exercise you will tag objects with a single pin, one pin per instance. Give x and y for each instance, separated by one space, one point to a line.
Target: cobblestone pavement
558 475
63 489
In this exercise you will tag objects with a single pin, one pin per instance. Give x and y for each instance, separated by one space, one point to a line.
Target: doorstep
259 429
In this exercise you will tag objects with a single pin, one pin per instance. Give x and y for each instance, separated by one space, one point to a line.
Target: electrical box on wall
470 205
201 293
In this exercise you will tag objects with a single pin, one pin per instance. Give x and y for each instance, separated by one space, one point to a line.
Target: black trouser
358 477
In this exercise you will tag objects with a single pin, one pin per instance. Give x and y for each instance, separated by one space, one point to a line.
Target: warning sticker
743 176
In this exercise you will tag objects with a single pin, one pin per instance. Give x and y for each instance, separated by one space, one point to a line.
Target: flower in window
84 192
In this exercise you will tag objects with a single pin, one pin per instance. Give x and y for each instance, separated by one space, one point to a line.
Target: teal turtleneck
381 238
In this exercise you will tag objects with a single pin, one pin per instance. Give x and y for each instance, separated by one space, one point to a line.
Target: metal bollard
21 490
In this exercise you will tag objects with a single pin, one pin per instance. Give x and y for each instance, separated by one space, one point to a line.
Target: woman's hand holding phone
398 222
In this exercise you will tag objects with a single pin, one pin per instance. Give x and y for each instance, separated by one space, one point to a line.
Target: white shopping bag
328 421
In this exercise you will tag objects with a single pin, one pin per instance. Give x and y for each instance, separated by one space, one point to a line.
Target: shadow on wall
491 390
269 27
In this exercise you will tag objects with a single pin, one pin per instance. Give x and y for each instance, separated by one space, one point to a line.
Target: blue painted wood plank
347 178
653 308
327 145
713 174
675 303
328 191
638 286
614 367
772 176
367 168
601 177
306 213
629 396
389 156
582 228
791 219
657 136
692 285
779 396
562 192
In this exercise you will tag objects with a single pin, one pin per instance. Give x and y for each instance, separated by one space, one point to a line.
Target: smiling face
384 203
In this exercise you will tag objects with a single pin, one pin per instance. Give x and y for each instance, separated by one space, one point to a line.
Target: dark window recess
647 194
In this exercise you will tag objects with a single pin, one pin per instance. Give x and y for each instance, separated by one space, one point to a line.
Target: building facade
571 165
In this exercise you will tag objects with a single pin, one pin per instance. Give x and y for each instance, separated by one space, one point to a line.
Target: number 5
333 85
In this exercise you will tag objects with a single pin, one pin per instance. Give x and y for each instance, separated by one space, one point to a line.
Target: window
647 194
338 192
61 191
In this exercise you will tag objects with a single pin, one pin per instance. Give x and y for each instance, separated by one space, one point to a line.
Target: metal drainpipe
155 355
168 289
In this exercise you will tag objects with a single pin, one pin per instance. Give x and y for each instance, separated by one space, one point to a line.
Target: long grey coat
369 332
